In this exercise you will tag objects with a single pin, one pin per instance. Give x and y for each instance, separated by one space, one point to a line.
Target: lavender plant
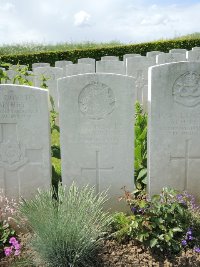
66 232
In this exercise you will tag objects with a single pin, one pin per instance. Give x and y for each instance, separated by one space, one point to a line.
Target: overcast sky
55 21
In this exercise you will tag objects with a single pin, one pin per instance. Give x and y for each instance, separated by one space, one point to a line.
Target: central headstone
96 123
174 127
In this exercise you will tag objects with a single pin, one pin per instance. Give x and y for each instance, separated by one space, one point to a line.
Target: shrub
97 53
167 222
67 232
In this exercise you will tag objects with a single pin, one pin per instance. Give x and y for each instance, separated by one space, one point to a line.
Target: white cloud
155 20
82 19
7 7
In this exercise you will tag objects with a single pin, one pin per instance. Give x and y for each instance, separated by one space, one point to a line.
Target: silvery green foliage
67 231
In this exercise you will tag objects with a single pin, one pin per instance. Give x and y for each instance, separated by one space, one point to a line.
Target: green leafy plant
3 77
6 232
140 163
67 232
167 222
44 80
23 76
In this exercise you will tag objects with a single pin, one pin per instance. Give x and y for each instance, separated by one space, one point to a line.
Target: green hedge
97 53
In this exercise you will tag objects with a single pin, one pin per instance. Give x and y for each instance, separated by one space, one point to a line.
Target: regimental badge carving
96 100
12 155
186 89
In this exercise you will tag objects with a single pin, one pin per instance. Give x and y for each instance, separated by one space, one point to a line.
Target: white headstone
52 74
17 67
96 124
170 57
193 55
130 55
109 58
178 51
24 140
117 67
80 68
137 67
40 65
174 127
195 48
62 63
153 54
87 60
11 75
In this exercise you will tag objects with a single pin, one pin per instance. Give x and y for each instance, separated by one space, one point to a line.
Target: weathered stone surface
109 58
174 127
193 55
130 55
195 48
96 124
39 65
137 67
87 60
112 66
153 55
62 64
178 51
80 68
170 57
24 140
52 74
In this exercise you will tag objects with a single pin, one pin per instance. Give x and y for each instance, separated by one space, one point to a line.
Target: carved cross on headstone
14 155
97 169
186 159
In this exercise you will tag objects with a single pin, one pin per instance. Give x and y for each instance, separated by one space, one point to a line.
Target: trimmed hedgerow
97 53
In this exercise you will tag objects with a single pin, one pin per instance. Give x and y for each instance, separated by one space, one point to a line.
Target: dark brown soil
130 254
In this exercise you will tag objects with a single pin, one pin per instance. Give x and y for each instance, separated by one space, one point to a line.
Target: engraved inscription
185 124
96 100
16 105
186 89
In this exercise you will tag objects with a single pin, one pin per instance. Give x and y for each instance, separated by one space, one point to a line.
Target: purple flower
7 251
133 209
184 242
17 246
190 237
13 240
17 252
197 249
189 232
179 197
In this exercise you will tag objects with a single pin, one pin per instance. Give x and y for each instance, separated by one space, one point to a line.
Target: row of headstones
97 132
133 65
